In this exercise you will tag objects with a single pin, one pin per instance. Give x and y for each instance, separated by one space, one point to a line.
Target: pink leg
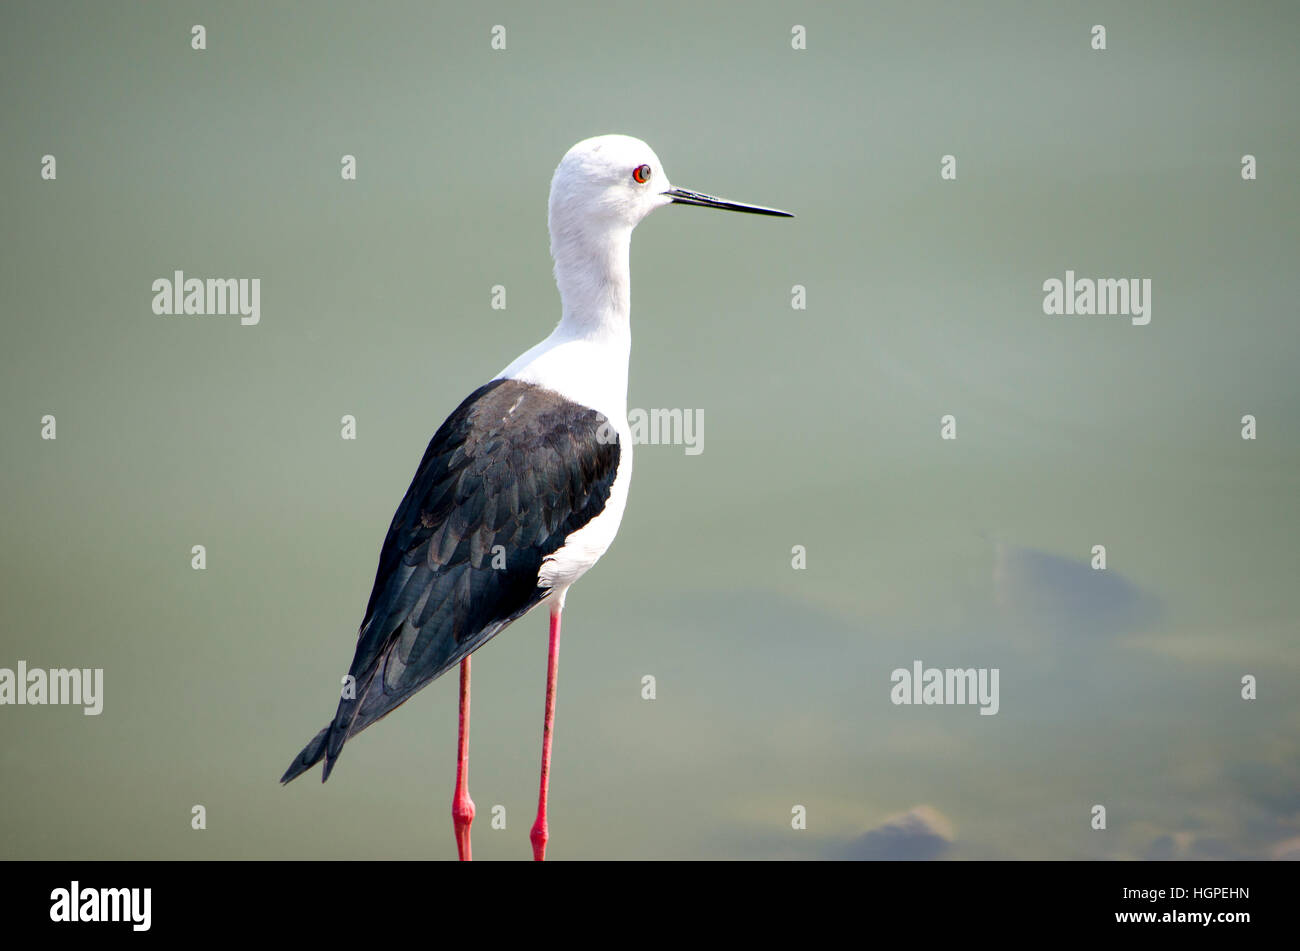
539 834
462 807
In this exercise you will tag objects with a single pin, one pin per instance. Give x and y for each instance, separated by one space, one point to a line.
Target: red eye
641 173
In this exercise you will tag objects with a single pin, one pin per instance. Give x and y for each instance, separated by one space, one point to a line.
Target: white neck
593 272
586 357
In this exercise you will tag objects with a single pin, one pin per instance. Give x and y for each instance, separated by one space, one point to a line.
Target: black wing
515 466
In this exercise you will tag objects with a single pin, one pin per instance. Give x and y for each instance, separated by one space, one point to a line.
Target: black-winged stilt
523 487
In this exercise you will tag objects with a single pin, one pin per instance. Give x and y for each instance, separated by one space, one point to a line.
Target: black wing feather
515 465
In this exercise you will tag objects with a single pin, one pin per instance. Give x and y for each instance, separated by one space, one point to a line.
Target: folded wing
509 475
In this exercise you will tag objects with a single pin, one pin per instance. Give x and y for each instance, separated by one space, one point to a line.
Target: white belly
584 547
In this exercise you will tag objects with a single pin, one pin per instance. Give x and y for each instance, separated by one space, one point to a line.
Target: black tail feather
311 754
328 743
354 714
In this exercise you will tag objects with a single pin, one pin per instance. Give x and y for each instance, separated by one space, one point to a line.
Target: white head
613 181
602 189
609 180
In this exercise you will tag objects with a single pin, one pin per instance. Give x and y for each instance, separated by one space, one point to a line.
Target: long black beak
681 196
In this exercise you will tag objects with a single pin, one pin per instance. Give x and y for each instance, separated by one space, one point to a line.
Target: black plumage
515 466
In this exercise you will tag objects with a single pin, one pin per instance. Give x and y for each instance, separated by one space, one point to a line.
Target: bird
523 487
